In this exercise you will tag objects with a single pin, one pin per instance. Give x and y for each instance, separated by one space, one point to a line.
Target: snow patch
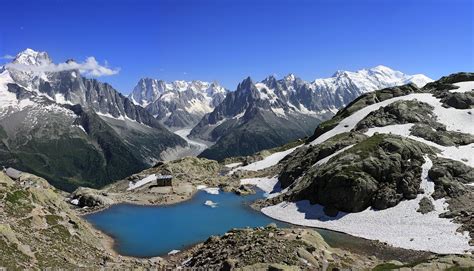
267 185
232 165
400 226
267 162
463 87
209 190
142 182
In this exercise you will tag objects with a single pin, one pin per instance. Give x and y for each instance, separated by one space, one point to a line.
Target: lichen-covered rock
439 135
306 156
449 177
399 112
459 100
379 171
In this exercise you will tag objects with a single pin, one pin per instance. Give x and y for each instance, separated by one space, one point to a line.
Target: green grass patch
53 219
368 146
17 197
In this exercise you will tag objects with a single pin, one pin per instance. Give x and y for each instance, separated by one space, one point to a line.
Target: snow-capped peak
32 57
382 68
367 80
290 77
149 90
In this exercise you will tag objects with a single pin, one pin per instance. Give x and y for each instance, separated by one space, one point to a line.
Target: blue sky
227 40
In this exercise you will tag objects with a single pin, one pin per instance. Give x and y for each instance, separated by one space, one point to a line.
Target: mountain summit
177 104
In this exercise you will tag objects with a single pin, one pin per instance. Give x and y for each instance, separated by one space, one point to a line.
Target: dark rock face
437 133
379 172
244 123
459 100
449 177
306 156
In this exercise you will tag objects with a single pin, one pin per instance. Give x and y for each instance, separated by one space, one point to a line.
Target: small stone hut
164 180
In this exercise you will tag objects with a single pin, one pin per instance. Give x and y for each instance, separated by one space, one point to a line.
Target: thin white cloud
89 68
7 57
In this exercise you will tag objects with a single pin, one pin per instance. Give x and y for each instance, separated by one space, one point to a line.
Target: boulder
449 177
425 206
90 197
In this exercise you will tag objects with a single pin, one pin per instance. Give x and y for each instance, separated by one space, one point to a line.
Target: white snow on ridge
400 226
8 99
367 80
463 87
267 162
454 119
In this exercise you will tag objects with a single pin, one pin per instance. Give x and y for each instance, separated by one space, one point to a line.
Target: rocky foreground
271 248
39 229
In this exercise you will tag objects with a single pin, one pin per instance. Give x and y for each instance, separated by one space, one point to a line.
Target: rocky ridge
177 104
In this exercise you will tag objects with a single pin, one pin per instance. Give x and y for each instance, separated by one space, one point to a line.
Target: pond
147 231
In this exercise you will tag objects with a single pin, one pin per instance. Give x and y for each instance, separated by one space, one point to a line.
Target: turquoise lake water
147 231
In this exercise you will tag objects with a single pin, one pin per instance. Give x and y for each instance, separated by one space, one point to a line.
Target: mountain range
270 113
74 130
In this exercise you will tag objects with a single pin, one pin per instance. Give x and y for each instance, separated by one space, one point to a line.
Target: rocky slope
270 113
38 230
403 151
73 130
177 104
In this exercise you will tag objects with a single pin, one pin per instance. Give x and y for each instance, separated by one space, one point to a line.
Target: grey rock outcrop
379 172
